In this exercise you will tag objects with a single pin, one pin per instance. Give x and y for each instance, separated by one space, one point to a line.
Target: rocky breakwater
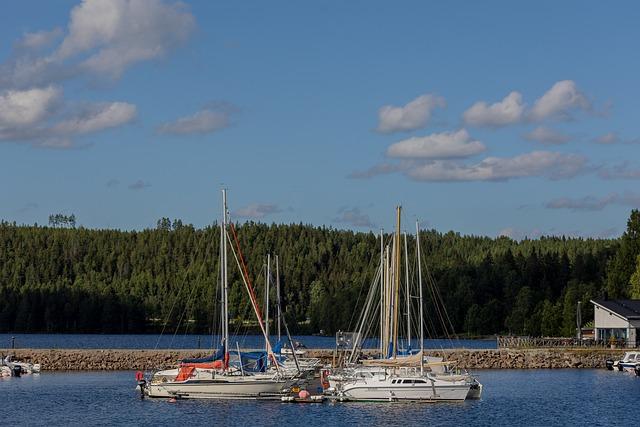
539 358
101 360
543 358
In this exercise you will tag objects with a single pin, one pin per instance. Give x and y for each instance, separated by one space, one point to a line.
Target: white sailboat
225 375
397 375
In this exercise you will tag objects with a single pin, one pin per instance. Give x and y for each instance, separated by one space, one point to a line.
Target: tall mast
420 296
406 270
266 297
278 296
387 303
223 272
382 281
397 284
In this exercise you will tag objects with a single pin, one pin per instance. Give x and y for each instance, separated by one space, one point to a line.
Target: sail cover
218 355
413 360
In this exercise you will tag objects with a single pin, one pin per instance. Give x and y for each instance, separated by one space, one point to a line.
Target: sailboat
227 374
398 374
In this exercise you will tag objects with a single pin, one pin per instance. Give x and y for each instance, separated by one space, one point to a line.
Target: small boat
17 368
630 362
299 348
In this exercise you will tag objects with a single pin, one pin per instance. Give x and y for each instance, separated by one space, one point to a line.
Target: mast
223 272
406 270
279 313
266 297
382 281
420 297
387 303
397 283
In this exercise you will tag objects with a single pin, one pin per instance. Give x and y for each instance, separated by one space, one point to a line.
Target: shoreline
145 359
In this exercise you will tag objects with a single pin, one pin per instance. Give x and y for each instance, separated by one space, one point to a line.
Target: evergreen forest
68 279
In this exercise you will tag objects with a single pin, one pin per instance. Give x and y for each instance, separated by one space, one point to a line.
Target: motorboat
17 368
629 362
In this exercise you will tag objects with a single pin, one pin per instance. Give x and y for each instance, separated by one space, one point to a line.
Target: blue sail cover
252 361
218 355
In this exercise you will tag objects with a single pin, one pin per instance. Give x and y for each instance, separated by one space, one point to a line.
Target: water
511 397
151 341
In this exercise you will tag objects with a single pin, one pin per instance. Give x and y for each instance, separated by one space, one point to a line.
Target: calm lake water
511 398
189 341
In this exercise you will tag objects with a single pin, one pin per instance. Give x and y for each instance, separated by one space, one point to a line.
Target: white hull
362 391
368 385
209 385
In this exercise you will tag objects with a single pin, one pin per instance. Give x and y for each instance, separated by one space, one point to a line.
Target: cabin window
419 381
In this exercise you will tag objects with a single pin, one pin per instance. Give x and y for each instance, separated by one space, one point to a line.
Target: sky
486 118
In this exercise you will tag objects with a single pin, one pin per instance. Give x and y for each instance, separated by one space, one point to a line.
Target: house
617 319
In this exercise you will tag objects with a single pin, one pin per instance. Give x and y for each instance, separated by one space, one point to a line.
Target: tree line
56 279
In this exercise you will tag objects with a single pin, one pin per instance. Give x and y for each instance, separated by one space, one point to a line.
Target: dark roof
627 308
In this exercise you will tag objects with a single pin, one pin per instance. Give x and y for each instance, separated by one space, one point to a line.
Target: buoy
304 394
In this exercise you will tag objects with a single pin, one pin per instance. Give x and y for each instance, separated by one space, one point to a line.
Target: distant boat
13 368
630 363
298 348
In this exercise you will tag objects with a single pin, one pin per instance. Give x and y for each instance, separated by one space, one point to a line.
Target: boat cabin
617 322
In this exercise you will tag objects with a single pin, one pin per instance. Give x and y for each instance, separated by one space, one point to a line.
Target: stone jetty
112 360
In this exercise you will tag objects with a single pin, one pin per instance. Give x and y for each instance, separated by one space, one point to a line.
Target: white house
617 318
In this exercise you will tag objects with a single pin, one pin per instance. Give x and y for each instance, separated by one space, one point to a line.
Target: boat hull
219 388
426 393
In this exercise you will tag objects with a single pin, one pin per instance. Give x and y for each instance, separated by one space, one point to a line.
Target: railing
554 342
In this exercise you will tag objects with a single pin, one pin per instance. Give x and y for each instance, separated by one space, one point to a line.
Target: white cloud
117 33
103 38
39 117
97 117
538 163
256 210
563 97
202 122
443 145
587 203
620 171
380 169
415 115
607 138
508 111
548 136
558 102
613 138
593 203
353 217
26 108
39 39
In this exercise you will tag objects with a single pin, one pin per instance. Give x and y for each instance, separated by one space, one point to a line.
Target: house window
617 333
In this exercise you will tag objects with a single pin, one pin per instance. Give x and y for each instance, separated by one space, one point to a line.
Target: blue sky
480 117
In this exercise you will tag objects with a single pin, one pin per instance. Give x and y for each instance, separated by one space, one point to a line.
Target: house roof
627 308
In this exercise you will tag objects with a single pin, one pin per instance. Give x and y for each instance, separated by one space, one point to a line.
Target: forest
68 279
